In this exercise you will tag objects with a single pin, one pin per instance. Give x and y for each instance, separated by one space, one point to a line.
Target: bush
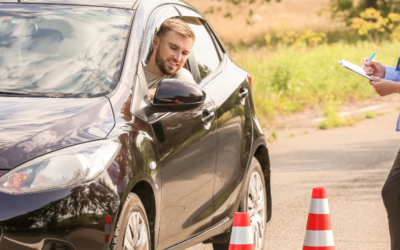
374 26
331 119
286 35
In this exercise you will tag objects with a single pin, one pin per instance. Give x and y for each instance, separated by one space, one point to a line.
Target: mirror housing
176 95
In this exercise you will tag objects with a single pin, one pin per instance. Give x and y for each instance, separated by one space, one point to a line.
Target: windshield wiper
12 93
16 93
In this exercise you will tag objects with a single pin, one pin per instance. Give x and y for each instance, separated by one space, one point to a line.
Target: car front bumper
72 217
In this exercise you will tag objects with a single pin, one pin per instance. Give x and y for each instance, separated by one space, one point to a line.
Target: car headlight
62 168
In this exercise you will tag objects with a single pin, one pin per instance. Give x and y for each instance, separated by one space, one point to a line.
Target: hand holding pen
373 67
369 59
377 71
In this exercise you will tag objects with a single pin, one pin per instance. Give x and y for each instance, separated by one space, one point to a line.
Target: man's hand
385 87
374 68
152 92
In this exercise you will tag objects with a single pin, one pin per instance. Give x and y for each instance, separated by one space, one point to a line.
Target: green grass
273 137
370 115
332 119
291 79
346 35
384 112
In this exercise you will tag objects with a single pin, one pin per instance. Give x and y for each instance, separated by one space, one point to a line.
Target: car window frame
191 12
148 37
216 41
144 50
186 11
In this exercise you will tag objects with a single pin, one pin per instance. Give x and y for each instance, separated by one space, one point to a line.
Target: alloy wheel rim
136 237
256 209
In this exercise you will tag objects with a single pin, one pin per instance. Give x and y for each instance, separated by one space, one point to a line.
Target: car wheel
132 231
253 201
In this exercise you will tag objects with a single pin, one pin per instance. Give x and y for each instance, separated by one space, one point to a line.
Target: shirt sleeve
184 74
391 74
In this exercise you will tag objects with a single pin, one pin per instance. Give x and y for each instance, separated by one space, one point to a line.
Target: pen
369 59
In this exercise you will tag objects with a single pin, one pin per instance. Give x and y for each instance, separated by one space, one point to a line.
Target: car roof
126 4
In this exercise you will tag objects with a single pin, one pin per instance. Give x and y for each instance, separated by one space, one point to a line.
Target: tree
371 4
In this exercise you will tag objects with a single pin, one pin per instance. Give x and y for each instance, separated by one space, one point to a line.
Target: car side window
204 50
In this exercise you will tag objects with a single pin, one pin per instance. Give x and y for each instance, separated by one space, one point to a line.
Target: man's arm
152 92
385 87
386 80
392 74
378 69
184 74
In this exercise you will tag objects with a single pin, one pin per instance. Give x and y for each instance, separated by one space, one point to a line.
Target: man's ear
156 42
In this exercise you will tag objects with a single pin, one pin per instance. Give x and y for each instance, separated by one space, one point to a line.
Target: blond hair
177 25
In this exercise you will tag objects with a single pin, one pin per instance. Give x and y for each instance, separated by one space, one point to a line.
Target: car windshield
60 49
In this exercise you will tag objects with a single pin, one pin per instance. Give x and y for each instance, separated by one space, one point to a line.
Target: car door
187 149
229 88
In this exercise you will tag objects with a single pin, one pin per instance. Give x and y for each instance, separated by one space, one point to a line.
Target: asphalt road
352 163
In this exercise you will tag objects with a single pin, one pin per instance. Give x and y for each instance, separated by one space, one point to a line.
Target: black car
88 162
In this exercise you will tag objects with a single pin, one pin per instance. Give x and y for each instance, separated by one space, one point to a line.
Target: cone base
241 247
319 248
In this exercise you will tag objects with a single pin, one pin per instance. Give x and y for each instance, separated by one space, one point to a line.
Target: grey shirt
153 79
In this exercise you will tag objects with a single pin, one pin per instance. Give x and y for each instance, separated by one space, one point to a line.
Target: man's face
172 51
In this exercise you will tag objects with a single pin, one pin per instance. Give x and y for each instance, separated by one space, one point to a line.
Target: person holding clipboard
386 81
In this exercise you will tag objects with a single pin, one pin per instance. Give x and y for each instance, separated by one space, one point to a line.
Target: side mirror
177 95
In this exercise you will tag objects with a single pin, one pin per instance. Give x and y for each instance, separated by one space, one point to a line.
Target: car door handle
208 116
243 93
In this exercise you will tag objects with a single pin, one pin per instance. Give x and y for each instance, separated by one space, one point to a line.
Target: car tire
247 200
132 231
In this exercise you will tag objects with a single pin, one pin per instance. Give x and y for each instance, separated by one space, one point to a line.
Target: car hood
31 127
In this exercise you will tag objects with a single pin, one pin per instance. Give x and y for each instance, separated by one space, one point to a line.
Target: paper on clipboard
355 68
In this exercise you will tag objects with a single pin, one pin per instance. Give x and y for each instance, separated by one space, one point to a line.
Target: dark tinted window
61 49
204 50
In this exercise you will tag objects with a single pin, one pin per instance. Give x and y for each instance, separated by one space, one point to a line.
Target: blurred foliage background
291 48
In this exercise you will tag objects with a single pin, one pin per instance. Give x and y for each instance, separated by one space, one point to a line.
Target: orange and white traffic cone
241 236
319 234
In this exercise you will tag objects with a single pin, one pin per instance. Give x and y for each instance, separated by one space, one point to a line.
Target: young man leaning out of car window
171 48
